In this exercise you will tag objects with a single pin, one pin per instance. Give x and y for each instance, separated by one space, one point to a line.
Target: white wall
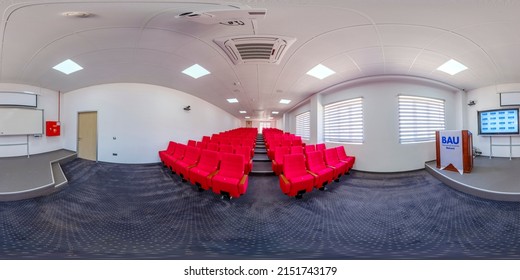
381 150
142 118
48 101
488 98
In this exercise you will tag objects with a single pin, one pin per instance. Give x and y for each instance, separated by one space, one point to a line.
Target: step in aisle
261 163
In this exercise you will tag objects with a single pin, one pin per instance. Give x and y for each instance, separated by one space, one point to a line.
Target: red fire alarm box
53 128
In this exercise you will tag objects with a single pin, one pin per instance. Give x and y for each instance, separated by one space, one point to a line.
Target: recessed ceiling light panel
232 100
196 71
67 67
242 112
320 71
285 101
275 112
452 67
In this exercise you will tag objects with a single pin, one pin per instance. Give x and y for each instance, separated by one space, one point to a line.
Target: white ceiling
146 42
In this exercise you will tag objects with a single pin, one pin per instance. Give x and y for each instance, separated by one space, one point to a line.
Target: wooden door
87 135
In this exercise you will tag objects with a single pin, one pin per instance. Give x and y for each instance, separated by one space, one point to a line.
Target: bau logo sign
455 140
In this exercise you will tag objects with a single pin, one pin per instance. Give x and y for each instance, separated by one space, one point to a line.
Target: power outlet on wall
114 154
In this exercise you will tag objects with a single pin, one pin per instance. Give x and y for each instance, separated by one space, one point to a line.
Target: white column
316 119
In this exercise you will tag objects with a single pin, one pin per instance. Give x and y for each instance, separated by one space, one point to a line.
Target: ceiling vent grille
255 49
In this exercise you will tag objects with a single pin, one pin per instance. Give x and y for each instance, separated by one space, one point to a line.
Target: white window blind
303 125
343 121
419 118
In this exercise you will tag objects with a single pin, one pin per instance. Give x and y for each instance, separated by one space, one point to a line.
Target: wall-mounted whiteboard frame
21 121
509 98
22 99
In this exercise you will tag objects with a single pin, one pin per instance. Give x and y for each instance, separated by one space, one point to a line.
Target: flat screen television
498 122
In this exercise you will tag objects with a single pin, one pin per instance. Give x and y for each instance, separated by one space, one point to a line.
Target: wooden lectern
467 152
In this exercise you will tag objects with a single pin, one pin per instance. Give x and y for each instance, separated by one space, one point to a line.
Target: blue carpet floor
114 211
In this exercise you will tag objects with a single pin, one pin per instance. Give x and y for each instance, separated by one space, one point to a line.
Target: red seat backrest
296 150
331 156
192 154
320 147
225 148
315 161
171 147
179 151
208 160
342 155
294 166
192 143
245 151
212 146
310 148
280 153
231 165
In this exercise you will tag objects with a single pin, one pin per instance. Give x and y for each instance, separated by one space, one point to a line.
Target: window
264 125
343 121
419 118
303 125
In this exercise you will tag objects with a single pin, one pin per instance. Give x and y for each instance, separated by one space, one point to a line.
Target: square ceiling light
452 67
232 100
196 71
275 112
320 71
285 101
242 112
67 67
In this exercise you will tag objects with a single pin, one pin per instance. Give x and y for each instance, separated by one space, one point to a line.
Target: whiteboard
510 99
18 99
18 121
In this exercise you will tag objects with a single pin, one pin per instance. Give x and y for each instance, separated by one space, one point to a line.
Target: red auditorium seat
320 147
169 151
190 159
316 164
310 148
332 160
225 149
230 179
342 155
248 161
297 141
201 174
296 179
296 150
277 163
178 154
212 146
201 145
192 143
206 139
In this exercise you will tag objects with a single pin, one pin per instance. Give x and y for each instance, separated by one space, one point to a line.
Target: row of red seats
275 138
224 169
302 173
302 167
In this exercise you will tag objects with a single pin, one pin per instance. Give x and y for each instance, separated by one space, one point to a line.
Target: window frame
305 131
419 117
335 129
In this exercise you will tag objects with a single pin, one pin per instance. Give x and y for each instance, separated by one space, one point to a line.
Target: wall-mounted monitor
498 122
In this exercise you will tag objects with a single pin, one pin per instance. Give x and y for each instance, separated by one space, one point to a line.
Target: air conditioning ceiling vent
255 49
